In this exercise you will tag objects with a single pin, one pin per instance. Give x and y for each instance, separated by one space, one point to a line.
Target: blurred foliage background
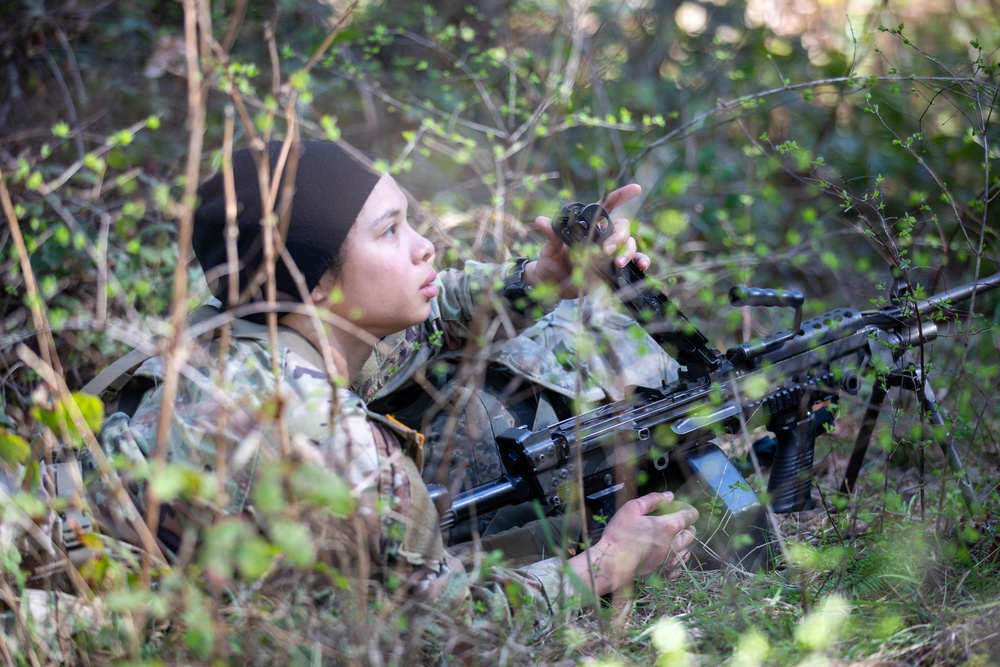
805 144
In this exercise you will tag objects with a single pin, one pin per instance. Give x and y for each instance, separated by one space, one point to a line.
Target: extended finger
642 261
545 225
618 197
681 549
685 538
677 568
682 516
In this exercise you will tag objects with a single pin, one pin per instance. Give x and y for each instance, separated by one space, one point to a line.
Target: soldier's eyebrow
394 213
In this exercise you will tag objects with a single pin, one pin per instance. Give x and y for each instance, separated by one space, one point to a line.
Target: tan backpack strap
287 337
107 384
302 347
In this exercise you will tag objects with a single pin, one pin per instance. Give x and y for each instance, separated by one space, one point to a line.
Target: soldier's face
386 280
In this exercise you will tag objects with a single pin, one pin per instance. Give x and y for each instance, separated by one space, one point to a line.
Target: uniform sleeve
477 291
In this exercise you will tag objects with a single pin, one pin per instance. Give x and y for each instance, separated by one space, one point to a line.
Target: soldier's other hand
648 534
554 264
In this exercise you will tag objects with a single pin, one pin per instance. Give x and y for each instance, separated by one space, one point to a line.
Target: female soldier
353 270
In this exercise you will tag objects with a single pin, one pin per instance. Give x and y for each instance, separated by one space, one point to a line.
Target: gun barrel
482 499
834 324
892 317
958 294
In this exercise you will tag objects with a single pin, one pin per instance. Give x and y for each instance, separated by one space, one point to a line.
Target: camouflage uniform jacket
225 415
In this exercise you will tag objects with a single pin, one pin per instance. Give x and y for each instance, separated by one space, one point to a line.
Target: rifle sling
109 383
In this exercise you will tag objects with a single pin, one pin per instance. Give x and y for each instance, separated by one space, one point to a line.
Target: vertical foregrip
790 484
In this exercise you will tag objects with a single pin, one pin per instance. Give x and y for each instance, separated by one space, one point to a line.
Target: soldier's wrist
596 569
517 286
531 273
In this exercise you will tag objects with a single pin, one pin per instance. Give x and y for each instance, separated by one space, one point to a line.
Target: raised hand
554 264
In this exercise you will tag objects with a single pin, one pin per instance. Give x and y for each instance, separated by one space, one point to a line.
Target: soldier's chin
425 313
418 318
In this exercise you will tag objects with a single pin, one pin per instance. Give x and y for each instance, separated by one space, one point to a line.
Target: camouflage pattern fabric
586 349
43 626
40 536
225 415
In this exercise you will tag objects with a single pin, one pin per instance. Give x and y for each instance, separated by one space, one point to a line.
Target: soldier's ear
320 296
327 290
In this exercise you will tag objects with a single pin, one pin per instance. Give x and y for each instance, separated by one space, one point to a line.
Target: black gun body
665 435
814 366
773 382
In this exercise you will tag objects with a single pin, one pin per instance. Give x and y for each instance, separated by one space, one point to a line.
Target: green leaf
92 409
121 138
170 480
13 448
671 222
295 542
300 80
221 542
324 489
819 629
123 600
254 557
58 418
94 163
268 494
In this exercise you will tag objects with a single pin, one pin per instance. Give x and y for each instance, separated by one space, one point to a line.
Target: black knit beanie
331 187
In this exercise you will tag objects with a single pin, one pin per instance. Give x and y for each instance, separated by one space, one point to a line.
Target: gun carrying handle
740 296
578 224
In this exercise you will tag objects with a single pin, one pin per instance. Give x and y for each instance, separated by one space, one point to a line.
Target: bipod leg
912 381
864 436
920 386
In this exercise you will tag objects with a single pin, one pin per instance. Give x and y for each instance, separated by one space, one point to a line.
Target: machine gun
664 436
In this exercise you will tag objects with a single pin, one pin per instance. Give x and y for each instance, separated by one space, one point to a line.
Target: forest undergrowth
779 153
